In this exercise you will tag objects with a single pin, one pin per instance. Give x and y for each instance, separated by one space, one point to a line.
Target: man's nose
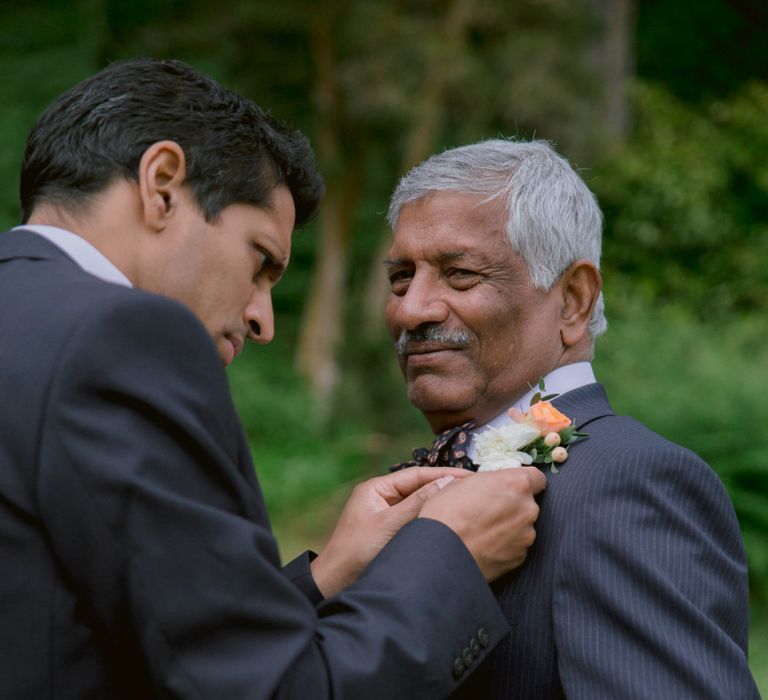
421 303
260 317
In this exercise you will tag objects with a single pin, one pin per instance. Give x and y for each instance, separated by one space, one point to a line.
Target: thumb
405 511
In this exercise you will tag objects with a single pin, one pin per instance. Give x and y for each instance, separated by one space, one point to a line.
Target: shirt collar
87 256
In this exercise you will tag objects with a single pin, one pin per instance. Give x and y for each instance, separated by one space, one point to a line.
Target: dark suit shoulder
120 313
621 449
150 351
46 293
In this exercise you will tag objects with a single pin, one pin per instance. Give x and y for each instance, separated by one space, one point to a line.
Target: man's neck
87 256
108 222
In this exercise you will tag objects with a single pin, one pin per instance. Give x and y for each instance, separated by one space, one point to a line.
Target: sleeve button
458 668
482 637
468 656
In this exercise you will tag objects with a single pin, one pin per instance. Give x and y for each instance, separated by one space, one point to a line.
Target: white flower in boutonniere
501 448
539 436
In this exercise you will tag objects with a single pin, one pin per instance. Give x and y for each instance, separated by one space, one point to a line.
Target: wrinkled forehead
454 220
470 204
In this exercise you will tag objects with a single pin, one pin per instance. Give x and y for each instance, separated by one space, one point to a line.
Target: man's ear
162 170
580 286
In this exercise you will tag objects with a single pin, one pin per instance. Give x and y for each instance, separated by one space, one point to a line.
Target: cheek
528 341
234 287
501 339
222 301
500 324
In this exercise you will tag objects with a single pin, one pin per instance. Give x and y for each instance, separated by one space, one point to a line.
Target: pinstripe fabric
637 584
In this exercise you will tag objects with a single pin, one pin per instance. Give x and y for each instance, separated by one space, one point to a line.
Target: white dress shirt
558 381
81 251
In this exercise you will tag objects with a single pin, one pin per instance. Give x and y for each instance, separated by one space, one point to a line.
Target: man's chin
226 350
434 394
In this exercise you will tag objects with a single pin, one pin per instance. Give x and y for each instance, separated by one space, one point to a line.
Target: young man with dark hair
136 552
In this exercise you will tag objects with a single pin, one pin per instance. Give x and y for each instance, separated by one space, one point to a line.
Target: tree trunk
427 122
322 322
612 64
617 51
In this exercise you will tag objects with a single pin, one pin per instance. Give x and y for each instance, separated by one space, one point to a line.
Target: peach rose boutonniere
539 436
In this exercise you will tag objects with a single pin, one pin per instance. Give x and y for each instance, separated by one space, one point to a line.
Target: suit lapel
585 404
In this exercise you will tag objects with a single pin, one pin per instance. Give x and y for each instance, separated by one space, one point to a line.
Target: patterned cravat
448 450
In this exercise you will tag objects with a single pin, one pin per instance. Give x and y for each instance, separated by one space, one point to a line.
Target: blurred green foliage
686 202
701 49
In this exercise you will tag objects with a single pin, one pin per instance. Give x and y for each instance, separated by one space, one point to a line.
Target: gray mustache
433 333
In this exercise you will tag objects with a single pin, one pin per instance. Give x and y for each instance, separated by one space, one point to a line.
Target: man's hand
493 513
375 511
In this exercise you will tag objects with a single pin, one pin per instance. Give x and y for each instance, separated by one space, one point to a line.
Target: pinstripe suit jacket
637 584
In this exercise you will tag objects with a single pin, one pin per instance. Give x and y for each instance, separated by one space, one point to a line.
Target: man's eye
400 275
461 278
261 261
400 280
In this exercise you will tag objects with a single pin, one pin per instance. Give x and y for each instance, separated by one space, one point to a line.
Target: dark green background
684 187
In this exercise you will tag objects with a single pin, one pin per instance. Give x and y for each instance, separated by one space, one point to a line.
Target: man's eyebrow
443 258
450 257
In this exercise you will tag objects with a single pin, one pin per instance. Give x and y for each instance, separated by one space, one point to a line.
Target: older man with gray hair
637 584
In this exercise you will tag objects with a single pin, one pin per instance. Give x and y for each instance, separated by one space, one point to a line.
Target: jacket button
468 656
474 645
482 637
458 668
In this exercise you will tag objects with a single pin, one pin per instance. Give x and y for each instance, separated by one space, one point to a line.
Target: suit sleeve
299 571
650 593
158 523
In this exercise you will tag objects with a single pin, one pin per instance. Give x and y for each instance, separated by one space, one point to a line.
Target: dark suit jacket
136 558
637 584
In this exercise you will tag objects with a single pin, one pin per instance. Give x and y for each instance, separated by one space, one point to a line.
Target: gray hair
552 218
